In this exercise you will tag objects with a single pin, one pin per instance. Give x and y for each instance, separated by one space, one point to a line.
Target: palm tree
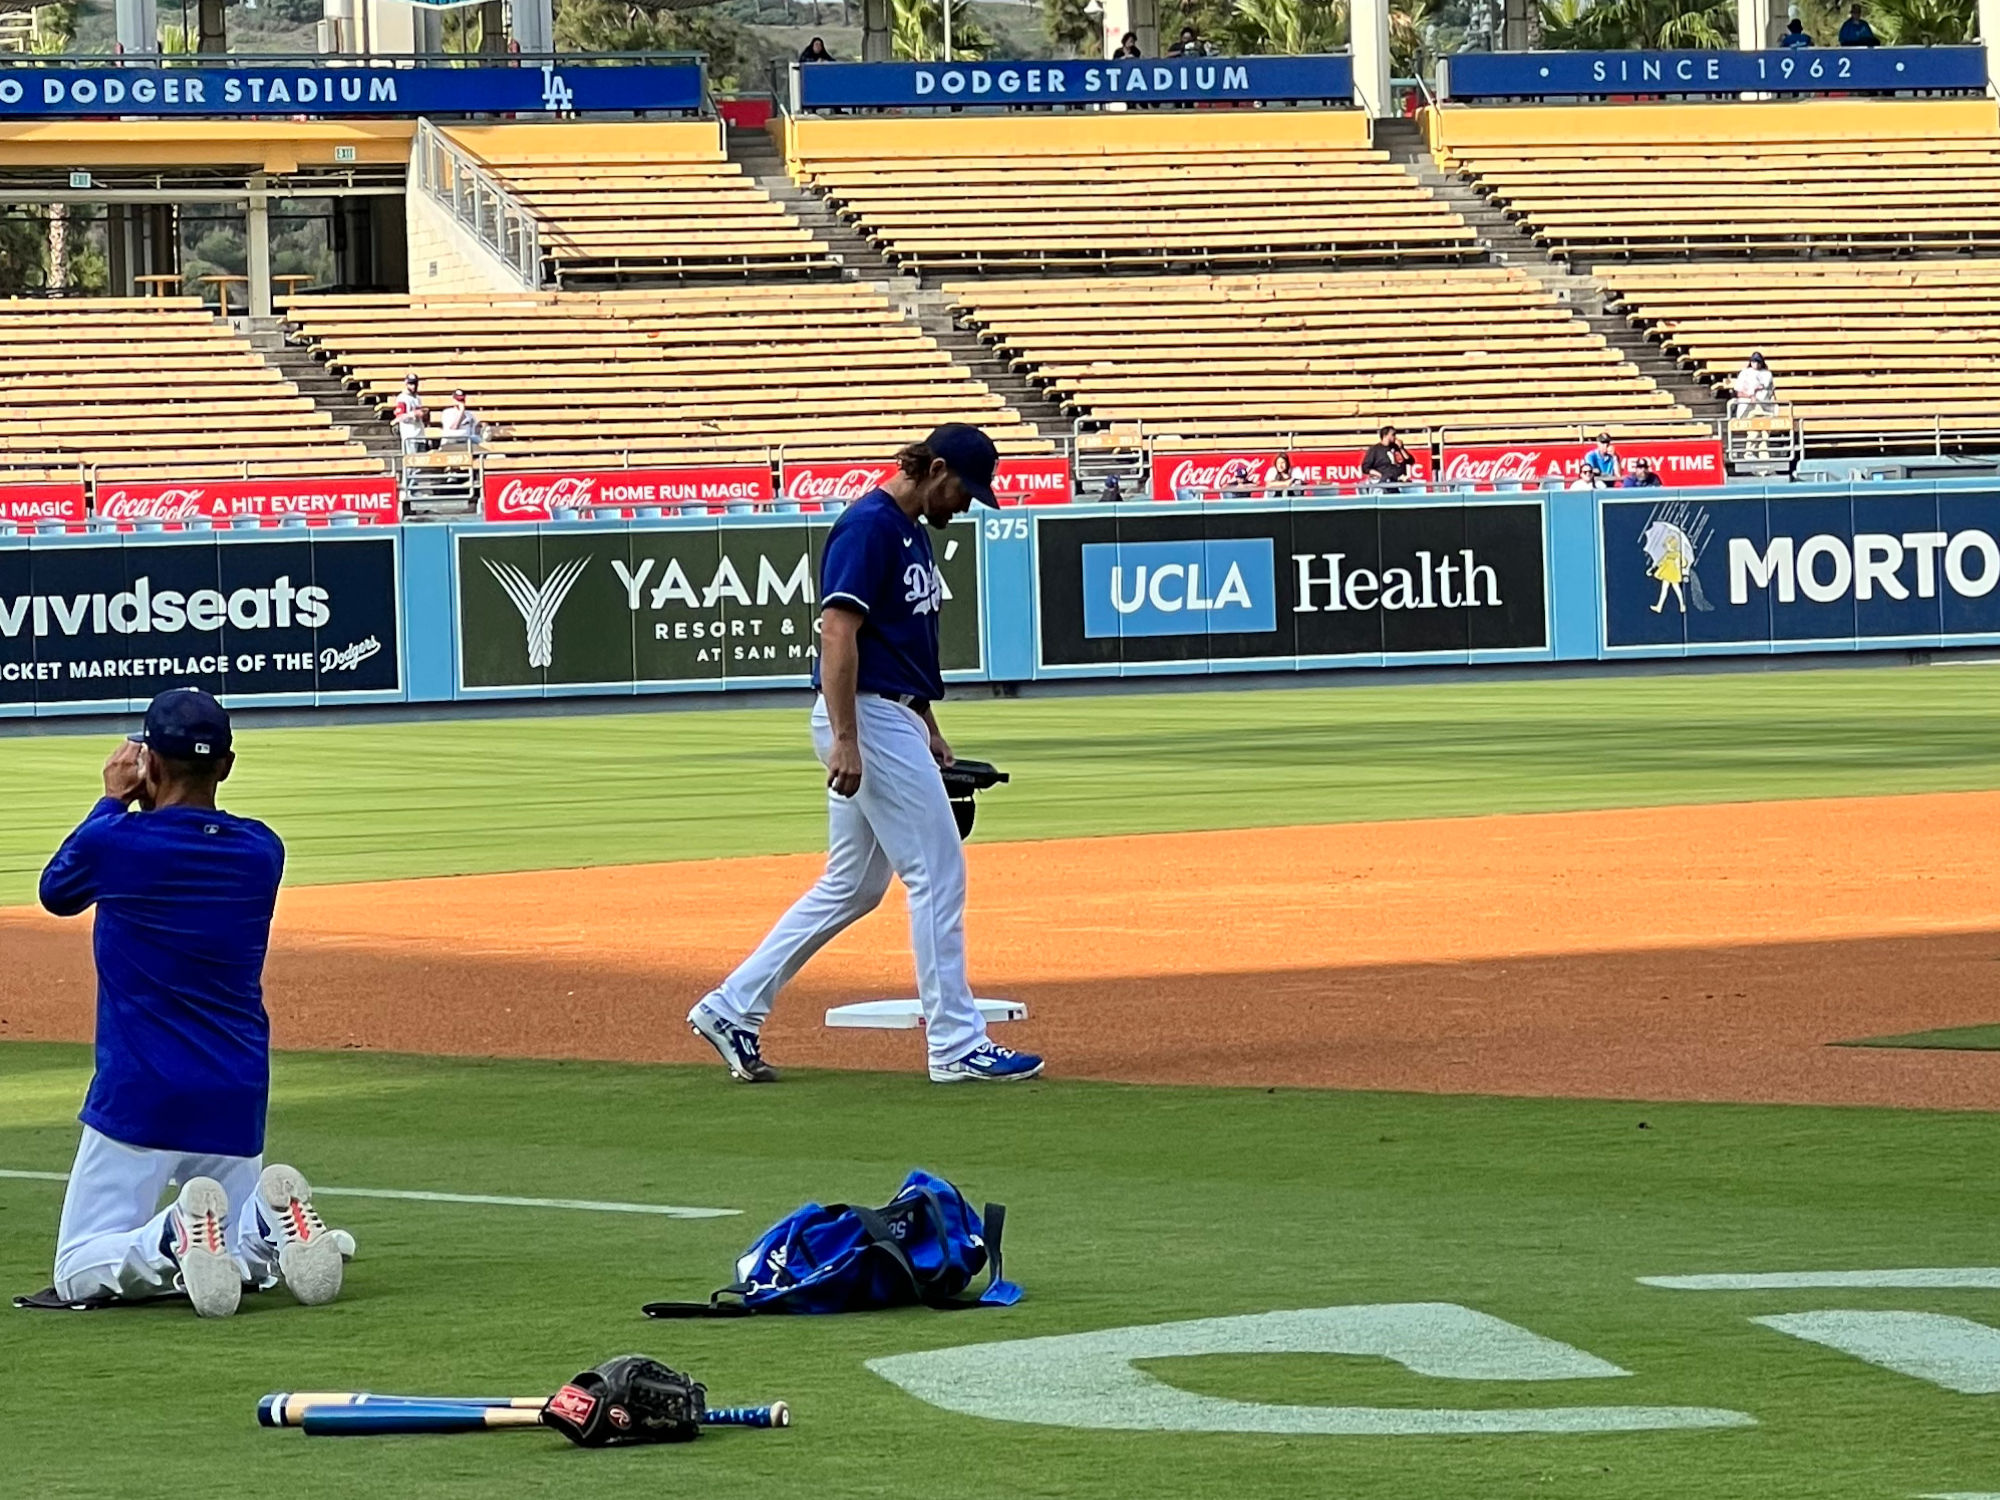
1295 27
1071 29
1617 25
1926 23
916 31
55 29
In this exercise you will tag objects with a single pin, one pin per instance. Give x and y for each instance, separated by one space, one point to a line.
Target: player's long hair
915 461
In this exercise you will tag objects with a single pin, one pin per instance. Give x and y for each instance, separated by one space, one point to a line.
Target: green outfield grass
382 801
1128 1206
1947 1039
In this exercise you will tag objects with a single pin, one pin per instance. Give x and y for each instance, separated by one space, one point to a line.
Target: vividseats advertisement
116 622
1286 586
669 606
1831 571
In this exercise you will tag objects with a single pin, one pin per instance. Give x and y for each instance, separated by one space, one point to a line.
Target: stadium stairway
930 310
327 391
1510 245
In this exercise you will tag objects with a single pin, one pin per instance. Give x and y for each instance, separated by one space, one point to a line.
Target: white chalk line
587 1205
1916 1278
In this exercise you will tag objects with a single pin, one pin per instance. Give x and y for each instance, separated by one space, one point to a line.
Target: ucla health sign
1803 70
28 92
1871 570
1056 84
1172 588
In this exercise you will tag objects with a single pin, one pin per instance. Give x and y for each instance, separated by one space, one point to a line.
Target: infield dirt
1694 953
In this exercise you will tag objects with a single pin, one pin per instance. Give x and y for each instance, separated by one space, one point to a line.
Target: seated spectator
1755 391
1603 459
1238 483
1642 476
1585 477
1279 482
815 51
412 420
1112 492
1189 45
459 424
1128 49
1387 461
1795 35
1855 30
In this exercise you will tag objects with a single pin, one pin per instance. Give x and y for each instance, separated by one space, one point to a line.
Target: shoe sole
209 1277
723 1051
312 1269
968 1077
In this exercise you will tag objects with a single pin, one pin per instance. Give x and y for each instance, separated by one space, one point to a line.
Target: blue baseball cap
969 453
185 724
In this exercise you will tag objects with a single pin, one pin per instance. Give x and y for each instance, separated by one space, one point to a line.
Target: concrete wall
444 258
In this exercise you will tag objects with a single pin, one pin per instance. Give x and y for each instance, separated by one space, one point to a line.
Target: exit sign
344 153
80 180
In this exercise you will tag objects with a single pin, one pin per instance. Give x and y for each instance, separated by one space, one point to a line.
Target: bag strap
714 1307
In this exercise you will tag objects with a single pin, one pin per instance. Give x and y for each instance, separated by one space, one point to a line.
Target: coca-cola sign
1018 481
1252 472
371 499
27 504
1683 462
536 497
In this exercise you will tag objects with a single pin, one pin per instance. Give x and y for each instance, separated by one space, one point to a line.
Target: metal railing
460 182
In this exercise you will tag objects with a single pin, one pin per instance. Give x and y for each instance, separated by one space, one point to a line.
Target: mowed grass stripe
369 801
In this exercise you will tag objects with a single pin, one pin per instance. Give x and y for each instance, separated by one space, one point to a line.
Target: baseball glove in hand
630 1399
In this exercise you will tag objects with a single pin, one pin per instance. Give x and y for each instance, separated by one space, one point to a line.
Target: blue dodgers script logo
1178 588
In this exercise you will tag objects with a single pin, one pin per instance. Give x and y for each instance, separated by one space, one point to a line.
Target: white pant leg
856 879
109 1243
903 798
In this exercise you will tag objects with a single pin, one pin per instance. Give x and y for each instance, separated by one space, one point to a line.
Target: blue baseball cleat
989 1063
737 1045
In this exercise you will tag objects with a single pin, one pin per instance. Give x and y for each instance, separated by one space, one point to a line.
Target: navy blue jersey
184 897
879 561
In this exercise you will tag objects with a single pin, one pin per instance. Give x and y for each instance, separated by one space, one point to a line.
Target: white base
908 1015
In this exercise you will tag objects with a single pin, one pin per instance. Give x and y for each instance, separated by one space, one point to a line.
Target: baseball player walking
873 729
184 894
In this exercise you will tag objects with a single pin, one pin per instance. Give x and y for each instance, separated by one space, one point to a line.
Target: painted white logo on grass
1089 1380
1955 1354
538 606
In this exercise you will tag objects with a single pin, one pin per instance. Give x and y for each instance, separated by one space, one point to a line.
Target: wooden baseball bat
288 1408
373 1418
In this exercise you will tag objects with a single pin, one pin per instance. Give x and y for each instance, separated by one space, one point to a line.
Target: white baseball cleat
198 1240
309 1254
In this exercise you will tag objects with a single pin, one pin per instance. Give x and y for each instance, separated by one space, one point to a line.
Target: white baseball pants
112 1221
900 820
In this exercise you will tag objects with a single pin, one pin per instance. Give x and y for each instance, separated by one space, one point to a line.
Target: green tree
1925 23
1071 29
916 31
1616 25
672 26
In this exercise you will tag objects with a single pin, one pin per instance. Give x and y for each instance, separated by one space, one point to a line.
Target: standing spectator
1112 492
459 423
1795 35
815 51
1642 476
1603 459
1387 461
1855 30
411 418
1128 49
1756 390
1189 45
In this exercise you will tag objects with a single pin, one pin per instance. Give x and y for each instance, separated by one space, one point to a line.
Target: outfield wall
297 615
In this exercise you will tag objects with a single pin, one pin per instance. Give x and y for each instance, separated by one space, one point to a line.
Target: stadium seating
152 388
1146 190
664 376
619 201
1848 176
1479 352
1860 349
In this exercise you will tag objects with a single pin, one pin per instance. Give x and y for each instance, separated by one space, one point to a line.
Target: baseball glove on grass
630 1399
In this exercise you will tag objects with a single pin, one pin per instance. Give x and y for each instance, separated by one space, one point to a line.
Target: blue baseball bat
350 1413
